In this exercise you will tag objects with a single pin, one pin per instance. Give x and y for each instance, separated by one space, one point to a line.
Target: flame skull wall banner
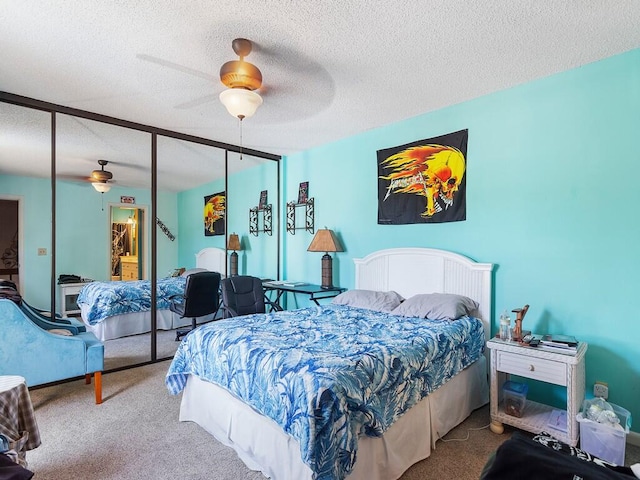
214 212
424 181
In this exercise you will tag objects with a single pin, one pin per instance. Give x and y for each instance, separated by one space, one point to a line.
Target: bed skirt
263 446
136 323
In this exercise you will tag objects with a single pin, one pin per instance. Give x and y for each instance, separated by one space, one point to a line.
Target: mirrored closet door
25 201
103 195
188 172
127 204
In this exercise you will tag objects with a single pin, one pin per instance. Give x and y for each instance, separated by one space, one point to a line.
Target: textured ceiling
330 69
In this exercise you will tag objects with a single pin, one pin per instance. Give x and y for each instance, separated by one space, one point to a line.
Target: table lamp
234 244
325 241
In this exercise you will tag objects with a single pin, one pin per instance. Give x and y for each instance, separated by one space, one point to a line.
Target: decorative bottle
505 326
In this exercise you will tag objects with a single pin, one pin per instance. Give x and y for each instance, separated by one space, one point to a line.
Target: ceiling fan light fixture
238 73
101 187
240 102
101 175
241 79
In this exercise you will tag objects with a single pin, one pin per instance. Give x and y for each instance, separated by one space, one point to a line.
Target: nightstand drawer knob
532 368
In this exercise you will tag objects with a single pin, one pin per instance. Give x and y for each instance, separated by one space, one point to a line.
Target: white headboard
212 258
410 271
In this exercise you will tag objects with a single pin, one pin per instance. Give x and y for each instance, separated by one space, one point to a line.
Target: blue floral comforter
106 299
328 374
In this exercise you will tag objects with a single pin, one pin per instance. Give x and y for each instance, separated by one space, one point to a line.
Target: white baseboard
633 438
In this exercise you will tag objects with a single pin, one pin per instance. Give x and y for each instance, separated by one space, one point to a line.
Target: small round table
17 419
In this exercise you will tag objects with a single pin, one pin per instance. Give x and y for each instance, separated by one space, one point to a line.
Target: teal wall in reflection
82 231
258 256
35 196
190 204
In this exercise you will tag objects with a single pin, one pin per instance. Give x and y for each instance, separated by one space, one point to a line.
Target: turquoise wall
258 255
168 250
551 201
190 204
82 231
35 270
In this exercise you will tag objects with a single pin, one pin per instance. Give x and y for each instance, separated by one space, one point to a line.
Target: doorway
10 240
127 243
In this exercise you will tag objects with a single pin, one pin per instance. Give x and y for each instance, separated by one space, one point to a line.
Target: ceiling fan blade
176 66
197 101
80 179
142 167
73 178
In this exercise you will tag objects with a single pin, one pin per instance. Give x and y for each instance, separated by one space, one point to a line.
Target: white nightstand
69 298
527 362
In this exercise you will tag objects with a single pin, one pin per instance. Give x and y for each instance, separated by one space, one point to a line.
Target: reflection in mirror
127 246
253 184
99 166
25 202
103 170
188 173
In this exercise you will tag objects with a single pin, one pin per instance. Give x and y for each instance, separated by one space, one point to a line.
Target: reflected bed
117 309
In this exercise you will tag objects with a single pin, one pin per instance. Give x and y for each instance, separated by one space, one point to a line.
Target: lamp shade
101 187
234 242
240 102
325 241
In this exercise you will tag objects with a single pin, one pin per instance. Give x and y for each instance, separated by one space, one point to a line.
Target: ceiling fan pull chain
241 117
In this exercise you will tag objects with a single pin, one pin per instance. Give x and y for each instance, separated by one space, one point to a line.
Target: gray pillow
186 273
436 306
379 301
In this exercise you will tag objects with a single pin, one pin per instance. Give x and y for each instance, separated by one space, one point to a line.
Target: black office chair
201 297
244 295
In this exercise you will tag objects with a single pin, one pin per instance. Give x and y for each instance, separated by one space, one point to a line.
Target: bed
341 431
117 309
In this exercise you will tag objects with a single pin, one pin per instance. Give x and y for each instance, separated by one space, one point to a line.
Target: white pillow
373 300
436 306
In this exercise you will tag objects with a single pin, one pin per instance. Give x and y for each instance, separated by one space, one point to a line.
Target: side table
69 298
17 420
509 357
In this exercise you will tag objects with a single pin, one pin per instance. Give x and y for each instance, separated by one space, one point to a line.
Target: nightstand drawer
532 367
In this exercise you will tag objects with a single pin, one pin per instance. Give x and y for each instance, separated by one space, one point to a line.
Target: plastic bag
598 410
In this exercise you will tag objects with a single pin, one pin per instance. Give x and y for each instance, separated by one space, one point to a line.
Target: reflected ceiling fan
100 178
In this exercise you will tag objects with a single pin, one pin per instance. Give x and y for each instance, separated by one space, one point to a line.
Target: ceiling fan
100 178
292 76
241 78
